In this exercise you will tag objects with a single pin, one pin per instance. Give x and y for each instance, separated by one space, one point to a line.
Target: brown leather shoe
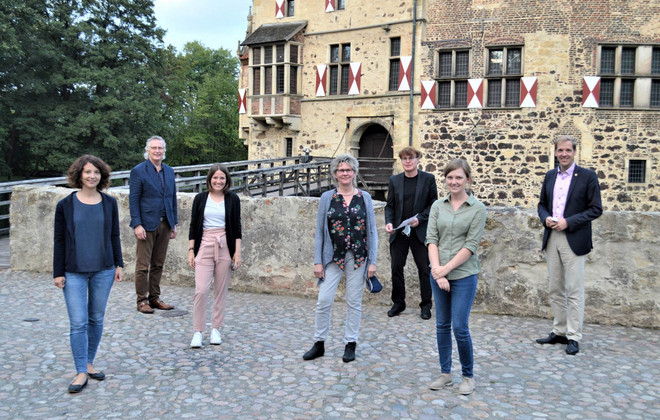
159 304
145 308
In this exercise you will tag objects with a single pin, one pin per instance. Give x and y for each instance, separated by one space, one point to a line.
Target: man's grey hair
348 159
564 138
152 138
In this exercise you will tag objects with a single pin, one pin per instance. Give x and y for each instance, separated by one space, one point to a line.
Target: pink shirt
560 192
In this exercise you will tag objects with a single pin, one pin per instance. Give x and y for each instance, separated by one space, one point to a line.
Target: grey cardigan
323 250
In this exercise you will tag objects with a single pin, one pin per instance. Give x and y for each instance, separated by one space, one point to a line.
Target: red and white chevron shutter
528 92
404 73
279 9
242 103
591 92
428 94
329 6
475 93
354 79
321 71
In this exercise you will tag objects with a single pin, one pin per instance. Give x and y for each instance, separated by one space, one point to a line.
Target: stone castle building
492 81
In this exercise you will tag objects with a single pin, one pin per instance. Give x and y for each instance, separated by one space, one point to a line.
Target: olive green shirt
453 230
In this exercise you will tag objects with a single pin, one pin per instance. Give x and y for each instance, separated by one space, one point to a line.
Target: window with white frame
275 69
629 76
503 73
395 63
451 74
339 68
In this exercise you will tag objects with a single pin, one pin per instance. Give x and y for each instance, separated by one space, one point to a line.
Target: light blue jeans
452 309
86 295
354 287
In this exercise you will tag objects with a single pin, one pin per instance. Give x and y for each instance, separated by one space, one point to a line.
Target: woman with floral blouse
346 241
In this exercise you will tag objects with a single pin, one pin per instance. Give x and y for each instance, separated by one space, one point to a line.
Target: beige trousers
566 275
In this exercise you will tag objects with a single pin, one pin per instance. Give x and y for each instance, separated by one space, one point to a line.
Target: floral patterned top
348 229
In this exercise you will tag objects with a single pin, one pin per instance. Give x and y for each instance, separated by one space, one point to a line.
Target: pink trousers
211 263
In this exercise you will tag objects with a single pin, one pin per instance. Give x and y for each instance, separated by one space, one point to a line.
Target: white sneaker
467 386
215 337
196 341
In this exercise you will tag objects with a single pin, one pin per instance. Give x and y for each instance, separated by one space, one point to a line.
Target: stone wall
278 238
510 149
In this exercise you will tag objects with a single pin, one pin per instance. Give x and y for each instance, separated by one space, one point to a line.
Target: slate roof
274 32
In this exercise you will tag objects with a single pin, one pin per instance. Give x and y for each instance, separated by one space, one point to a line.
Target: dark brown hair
76 168
215 168
410 151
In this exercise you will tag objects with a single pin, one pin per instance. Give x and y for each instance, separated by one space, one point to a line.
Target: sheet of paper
405 223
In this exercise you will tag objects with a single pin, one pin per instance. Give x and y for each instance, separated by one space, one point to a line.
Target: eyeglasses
344 171
408 159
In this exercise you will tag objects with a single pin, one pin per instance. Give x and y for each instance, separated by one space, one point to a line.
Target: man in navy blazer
570 200
410 193
152 202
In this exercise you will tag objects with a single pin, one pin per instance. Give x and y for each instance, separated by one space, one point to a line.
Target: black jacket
64 247
232 220
425 194
582 206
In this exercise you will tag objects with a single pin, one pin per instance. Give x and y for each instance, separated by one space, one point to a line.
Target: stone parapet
278 240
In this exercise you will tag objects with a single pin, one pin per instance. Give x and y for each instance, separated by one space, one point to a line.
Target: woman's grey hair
152 138
348 159
560 139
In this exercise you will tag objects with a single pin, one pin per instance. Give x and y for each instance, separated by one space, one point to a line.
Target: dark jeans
399 253
149 263
452 310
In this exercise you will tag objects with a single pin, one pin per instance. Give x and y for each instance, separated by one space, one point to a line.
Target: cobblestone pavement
258 372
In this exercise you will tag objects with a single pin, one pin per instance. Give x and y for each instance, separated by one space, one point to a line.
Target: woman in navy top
86 260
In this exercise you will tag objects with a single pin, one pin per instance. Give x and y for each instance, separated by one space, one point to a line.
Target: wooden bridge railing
278 176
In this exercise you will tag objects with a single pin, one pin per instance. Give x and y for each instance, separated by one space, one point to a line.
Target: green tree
202 106
78 76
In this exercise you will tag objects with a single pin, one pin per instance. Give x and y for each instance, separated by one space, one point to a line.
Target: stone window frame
627 83
646 170
456 81
395 61
339 68
506 80
272 69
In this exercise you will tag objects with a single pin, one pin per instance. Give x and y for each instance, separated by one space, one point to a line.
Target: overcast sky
215 23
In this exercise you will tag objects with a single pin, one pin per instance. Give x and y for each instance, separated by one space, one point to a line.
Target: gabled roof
274 32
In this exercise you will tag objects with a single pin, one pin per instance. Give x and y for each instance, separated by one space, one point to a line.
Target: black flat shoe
99 376
74 389
553 339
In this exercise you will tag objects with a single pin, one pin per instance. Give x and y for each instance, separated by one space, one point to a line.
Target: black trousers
399 253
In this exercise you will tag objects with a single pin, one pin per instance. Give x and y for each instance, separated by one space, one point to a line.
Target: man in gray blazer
410 193
569 201
153 207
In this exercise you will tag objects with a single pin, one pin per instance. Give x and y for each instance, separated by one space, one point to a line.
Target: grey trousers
354 287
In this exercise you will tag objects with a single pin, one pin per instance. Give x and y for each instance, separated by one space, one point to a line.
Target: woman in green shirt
456 224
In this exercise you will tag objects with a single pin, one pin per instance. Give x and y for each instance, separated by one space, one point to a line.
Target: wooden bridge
298 175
